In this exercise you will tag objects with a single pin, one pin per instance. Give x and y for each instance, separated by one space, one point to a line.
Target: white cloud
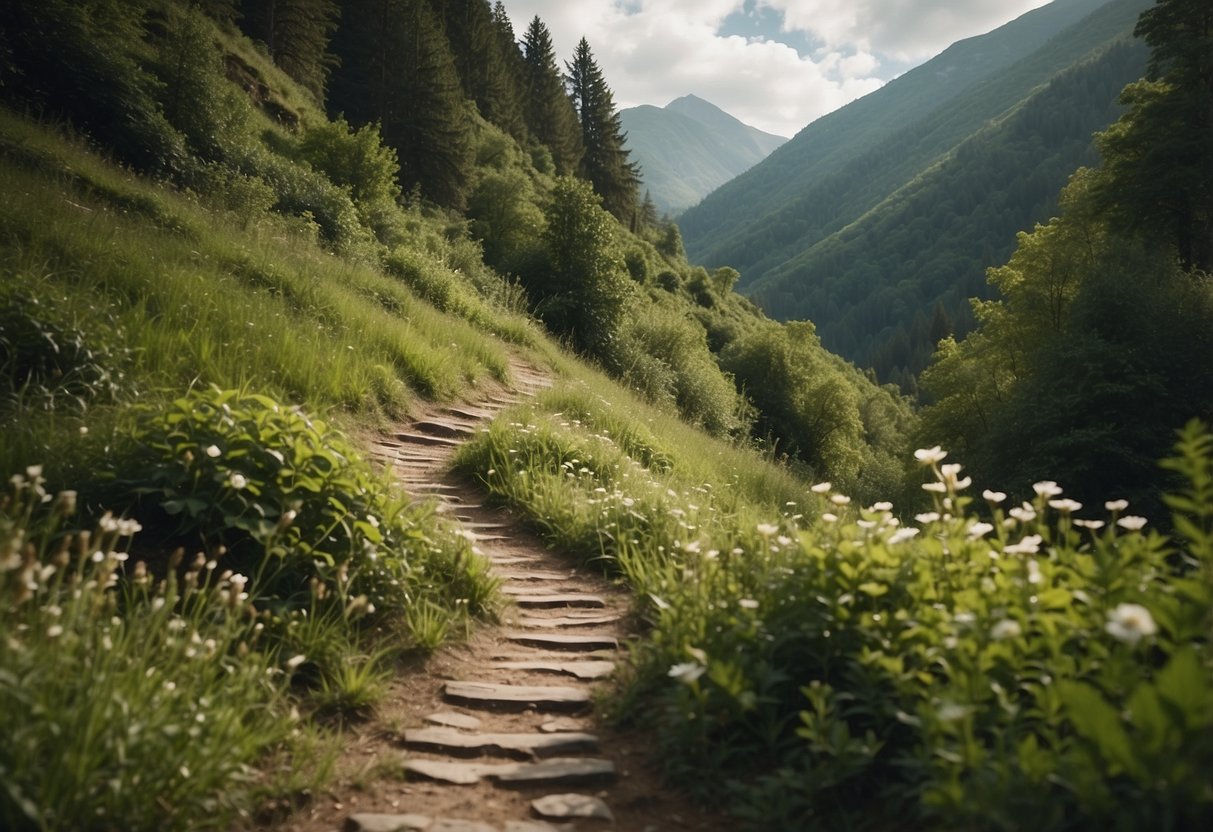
653 51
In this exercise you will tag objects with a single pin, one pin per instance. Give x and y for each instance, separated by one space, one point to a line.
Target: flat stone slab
564 641
580 670
566 621
534 575
559 771
454 720
450 428
561 723
511 560
518 697
455 743
526 597
426 439
570 806
371 822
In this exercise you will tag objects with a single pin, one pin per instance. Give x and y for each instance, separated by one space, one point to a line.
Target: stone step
563 641
571 806
559 771
517 697
533 575
450 429
425 439
374 822
527 597
586 670
565 621
525 746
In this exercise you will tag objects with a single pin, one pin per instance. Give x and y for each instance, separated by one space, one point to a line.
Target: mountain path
496 733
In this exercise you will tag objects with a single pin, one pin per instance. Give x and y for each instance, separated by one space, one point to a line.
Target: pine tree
550 115
480 60
605 164
397 69
297 34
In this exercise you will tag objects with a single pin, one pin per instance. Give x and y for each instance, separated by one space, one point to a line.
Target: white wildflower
1132 522
927 517
929 456
767 529
237 481
902 535
1005 629
213 451
1116 505
687 672
993 496
1046 488
1066 506
1130 623
1029 545
840 499
979 530
821 488
748 604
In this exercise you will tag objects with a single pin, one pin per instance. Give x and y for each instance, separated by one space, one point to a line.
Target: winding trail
496 733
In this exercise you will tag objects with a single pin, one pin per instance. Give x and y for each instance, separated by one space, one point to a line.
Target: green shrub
293 505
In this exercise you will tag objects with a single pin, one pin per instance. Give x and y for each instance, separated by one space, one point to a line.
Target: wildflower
1029 545
1116 505
979 530
1093 525
821 488
930 456
1132 522
783 540
294 661
935 487
829 517
927 517
881 507
748 604
902 535
687 672
692 547
1034 576
54 631
1066 506
213 451
1130 623
1007 628
840 499
1046 488
767 529
237 481
1024 513
993 496
373 520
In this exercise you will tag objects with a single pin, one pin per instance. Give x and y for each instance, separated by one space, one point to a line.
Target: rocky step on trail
497 733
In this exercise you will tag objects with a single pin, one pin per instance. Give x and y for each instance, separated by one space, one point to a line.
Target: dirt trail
497 734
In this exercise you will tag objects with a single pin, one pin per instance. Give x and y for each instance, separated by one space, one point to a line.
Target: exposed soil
550 598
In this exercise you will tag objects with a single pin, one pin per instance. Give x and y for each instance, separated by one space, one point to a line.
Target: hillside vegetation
855 173
216 271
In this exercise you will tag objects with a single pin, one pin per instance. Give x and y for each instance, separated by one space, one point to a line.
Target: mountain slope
845 163
872 287
690 147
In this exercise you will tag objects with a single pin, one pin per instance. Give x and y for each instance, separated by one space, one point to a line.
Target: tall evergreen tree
605 164
550 115
397 69
1158 158
481 62
297 34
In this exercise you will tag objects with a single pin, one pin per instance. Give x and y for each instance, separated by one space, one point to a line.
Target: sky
774 64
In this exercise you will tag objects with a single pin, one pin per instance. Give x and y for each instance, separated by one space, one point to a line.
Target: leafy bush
294 506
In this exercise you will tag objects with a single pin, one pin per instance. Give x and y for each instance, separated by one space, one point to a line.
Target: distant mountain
690 147
800 225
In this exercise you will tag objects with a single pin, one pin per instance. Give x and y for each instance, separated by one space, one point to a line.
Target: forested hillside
784 223
689 148
886 288
242 241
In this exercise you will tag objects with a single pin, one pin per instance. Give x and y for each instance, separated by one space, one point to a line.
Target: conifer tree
297 34
550 115
481 61
397 69
605 164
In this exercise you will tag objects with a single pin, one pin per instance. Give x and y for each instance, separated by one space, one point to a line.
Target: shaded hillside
884 289
690 147
845 163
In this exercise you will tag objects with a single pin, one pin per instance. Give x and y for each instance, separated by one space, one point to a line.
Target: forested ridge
242 236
